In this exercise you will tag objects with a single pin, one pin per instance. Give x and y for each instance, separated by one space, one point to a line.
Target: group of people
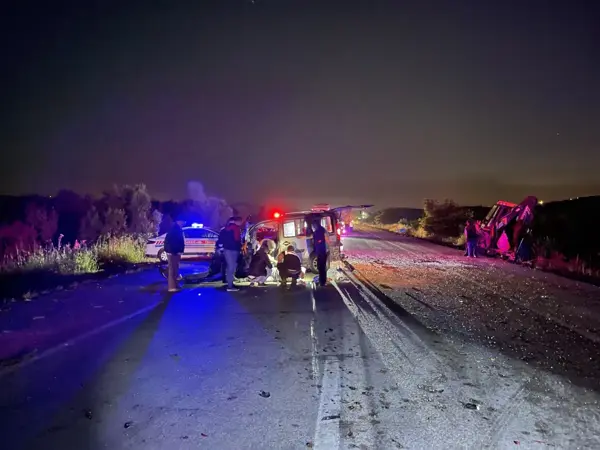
288 263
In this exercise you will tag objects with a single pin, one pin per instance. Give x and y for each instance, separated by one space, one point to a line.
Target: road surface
416 348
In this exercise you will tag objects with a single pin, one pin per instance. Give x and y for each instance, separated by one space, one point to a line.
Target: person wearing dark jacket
472 238
231 239
289 266
260 265
319 237
174 248
217 265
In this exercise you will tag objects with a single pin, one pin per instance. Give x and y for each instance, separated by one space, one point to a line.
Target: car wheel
162 256
313 264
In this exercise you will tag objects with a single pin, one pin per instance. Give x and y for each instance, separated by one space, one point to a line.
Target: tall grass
118 250
121 250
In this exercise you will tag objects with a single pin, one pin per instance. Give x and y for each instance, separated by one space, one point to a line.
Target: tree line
68 218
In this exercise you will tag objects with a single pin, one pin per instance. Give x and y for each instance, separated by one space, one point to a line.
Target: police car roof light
197 225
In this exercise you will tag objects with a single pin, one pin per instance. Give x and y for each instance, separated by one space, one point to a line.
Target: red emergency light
277 215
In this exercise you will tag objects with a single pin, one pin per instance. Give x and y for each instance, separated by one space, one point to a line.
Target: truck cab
504 224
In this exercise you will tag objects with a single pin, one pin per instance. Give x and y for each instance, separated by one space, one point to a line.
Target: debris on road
264 394
88 414
496 304
334 417
127 424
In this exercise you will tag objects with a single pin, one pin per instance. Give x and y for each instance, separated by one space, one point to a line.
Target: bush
120 250
419 232
444 219
570 228
86 261
441 221
391 216
65 261
118 224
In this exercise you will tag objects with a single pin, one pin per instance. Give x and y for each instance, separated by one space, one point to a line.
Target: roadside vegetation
111 230
442 222
53 238
565 237
80 259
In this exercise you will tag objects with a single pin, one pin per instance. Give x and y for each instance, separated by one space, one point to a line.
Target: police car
199 243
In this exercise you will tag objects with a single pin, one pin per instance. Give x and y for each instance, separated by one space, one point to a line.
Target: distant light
541 202
277 215
197 225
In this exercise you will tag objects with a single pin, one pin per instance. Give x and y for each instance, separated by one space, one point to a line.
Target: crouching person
289 266
260 266
174 248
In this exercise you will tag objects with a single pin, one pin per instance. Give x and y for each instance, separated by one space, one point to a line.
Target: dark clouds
382 101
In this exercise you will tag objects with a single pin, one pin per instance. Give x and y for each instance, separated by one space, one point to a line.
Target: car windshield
199 233
326 220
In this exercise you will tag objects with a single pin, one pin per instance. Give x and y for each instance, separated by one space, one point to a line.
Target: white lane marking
59 347
314 347
327 432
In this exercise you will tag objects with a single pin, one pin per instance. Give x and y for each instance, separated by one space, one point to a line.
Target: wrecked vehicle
293 228
506 226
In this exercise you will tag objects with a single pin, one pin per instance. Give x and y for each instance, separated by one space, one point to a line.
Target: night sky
384 102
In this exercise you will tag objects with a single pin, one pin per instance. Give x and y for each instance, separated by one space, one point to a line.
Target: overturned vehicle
506 230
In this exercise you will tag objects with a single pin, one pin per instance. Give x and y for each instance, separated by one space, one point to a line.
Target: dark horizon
303 102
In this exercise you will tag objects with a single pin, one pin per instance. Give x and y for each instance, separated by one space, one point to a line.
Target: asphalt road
342 367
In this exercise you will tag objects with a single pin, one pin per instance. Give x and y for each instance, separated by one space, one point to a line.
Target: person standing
320 249
219 265
231 239
472 238
174 248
